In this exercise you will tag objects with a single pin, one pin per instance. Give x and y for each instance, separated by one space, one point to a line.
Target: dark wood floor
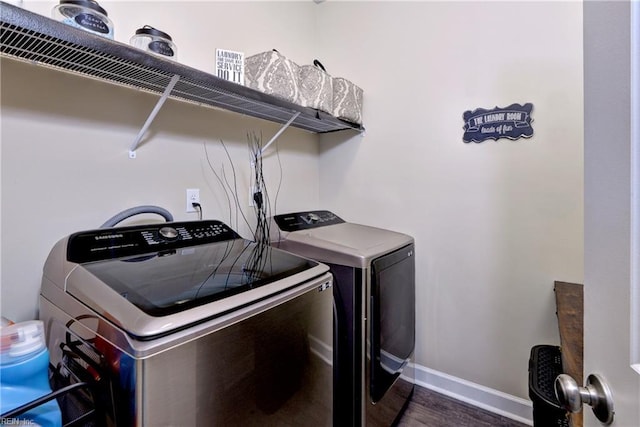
431 409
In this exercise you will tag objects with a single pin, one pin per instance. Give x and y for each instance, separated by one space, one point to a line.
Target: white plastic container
154 41
86 15
24 374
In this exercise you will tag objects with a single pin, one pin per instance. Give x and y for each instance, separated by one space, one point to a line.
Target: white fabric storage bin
272 73
347 100
316 87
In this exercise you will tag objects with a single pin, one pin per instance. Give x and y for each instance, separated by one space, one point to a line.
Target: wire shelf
36 39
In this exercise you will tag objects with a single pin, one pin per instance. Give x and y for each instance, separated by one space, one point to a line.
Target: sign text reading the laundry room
512 122
498 117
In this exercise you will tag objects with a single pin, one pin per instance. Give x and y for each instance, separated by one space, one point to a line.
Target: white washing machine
374 293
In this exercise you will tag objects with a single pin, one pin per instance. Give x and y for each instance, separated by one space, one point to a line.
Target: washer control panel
305 220
117 242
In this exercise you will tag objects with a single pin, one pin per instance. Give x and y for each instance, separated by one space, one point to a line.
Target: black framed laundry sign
512 122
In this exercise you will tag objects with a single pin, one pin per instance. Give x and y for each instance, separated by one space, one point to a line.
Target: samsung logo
324 286
109 236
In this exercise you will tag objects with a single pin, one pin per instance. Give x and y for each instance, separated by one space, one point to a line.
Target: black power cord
260 196
257 199
199 208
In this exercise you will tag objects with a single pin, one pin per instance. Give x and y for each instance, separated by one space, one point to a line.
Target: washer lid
348 244
149 294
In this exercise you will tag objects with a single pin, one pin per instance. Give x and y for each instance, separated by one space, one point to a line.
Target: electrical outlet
193 196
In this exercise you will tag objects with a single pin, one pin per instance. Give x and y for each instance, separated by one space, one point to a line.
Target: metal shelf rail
40 40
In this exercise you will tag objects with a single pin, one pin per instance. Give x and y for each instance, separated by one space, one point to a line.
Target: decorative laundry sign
512 122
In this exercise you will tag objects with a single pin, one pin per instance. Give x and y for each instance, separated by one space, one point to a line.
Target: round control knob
168 233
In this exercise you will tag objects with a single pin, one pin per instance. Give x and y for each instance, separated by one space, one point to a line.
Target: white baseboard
495 401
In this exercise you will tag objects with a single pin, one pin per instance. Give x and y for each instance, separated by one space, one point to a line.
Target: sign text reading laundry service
512 122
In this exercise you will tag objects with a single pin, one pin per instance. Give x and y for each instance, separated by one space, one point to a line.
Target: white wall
65 140
495 223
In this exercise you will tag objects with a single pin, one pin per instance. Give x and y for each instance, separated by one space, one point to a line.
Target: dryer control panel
305 220
117 242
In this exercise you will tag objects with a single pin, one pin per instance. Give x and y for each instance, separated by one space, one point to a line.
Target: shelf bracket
282 129
154 112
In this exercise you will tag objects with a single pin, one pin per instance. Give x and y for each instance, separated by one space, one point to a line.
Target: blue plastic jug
24 374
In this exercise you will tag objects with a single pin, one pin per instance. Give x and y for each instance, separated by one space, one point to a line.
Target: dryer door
392 318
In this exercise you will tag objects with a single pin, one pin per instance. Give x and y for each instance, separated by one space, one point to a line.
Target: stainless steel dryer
374 291
187 324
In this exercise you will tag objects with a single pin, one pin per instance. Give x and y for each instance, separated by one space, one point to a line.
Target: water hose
121 216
